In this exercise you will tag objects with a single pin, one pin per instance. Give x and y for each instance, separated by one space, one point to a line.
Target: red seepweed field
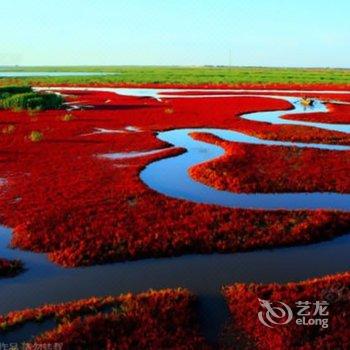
62 196
63 199
247 332
153 320
274 169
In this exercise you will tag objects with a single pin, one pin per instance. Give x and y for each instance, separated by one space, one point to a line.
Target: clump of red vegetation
337 114
10 268
247 332
252 168
61 198
154 320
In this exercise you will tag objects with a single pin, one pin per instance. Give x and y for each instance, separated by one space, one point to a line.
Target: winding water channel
44 282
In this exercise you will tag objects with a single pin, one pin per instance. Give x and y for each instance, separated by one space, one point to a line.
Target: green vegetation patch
213 75
23 97
10 90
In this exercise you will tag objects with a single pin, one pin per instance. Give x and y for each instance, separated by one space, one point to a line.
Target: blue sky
183 32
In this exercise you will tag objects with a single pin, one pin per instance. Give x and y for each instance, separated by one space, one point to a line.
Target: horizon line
172 66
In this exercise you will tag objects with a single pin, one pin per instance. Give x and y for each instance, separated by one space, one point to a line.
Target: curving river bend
170 177
45 282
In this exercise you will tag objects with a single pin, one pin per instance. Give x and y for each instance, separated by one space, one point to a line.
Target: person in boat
307 101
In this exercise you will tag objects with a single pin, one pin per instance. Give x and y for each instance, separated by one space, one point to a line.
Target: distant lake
49 74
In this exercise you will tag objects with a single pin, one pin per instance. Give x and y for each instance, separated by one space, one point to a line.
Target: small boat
307 102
